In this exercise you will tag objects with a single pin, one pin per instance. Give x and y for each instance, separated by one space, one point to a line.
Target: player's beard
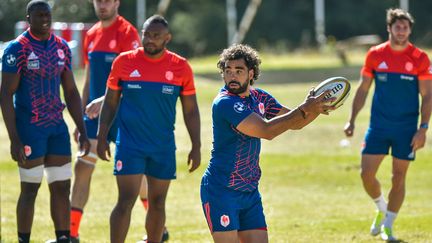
154 51
239 90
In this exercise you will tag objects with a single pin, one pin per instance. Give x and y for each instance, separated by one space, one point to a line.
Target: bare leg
128 187
155 221
60 204
369 167
226 237
253 236
397 192
25 206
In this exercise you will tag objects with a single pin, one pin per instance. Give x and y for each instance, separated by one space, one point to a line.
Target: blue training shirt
40 64
234 159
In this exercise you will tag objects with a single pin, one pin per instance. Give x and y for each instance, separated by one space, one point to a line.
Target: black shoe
165 237
75 240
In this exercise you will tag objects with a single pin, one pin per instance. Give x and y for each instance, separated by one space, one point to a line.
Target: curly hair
241 51
394 14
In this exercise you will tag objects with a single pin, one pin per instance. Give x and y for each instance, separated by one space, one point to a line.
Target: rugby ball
339 88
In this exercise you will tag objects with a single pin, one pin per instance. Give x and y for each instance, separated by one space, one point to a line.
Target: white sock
381 203
389 219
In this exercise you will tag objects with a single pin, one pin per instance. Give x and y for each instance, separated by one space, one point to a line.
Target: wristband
424 125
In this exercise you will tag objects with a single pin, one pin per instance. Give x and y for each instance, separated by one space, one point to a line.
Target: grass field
310 185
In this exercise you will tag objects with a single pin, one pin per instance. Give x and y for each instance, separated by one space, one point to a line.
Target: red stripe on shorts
207 213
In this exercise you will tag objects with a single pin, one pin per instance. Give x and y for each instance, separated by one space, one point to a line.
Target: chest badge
169 75
60 53
409 66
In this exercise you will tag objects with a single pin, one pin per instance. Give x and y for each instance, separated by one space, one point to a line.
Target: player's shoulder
417 52
129 55
125 26
257 91
176 58
224 97
93 29
60 40
379 48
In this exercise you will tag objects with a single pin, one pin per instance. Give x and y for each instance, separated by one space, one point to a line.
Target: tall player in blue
401 72
242 115
35 65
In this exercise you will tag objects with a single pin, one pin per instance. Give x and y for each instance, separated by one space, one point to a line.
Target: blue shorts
161 165
226 209
379 142
40 141
92 127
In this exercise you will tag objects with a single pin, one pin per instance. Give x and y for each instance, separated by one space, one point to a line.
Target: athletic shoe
375 228
75 240
51 241
387 234
165 237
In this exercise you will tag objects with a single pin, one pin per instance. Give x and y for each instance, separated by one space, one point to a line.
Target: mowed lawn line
295 201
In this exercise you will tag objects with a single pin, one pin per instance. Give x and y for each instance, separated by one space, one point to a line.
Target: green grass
310 185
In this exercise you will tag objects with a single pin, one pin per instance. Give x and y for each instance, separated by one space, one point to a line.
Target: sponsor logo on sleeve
11 60
224 220
261 108
135 44
239 107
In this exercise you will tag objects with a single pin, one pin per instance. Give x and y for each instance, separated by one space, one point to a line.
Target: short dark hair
34 3
394 14
156 19
241 51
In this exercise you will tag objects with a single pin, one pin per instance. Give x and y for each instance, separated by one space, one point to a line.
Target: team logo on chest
409 66
112 44
224 220
239 107
135 44
60 53
169 75
261 108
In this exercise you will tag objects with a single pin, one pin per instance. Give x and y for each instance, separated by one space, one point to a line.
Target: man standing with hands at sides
401 72
242 115
144 85
35 65
103 42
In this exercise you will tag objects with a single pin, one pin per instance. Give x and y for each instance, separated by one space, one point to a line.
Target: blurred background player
401 72
148 81
35 65
242 115
103 42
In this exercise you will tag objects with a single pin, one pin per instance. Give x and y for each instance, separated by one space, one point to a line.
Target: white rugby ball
339 88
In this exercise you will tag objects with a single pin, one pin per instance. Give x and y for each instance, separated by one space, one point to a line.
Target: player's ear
28 18
251 74
168 38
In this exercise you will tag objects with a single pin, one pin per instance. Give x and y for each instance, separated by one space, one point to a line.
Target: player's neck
397 46
40 36
107 23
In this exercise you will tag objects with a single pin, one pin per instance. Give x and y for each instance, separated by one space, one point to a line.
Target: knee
28 196
398 180
158 203
60 188
367 176
126 203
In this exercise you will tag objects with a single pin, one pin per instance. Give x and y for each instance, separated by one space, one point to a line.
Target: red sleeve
85 49
368 68
188 86
425 69
131 40
115 74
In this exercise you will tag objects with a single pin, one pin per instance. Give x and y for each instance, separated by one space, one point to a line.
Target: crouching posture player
35 65
242 115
